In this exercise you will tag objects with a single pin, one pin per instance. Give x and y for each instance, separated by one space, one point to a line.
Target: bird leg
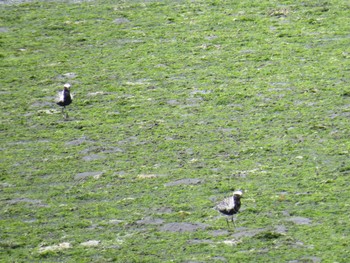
64 113
228 220
231 219
234 220
228 225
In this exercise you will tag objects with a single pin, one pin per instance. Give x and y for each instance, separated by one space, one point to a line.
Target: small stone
231 242
298 220
61 246
93 157
115 221
121 20
70 75
146 176
91 243
95 175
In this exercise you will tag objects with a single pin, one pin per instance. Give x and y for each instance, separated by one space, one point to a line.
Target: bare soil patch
183 227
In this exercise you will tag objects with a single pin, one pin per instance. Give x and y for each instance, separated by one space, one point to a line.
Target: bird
230 205
64 99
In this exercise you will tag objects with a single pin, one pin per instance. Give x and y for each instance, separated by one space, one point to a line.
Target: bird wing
60 96
226 204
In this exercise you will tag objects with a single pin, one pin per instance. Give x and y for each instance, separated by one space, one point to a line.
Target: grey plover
64 98
230 206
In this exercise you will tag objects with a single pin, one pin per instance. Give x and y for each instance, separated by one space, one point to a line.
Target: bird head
238 193
67 86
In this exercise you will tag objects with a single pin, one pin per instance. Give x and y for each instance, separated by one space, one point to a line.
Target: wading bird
230 206
64 99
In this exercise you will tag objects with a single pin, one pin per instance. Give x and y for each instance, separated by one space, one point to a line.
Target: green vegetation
176 103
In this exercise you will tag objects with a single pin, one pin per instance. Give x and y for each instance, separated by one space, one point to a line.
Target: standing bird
230 205
65 99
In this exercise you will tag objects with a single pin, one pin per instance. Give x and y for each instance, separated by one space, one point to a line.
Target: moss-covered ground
176 104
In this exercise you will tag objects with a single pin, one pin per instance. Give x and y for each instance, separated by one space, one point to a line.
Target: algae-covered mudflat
176 104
